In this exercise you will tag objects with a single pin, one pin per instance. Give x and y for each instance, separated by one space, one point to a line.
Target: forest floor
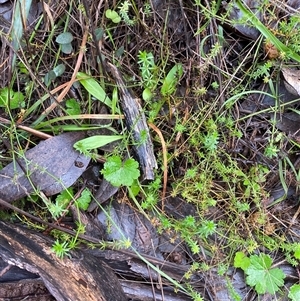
216 87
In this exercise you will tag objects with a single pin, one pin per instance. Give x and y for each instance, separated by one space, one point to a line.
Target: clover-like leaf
120 173
66 48
59 69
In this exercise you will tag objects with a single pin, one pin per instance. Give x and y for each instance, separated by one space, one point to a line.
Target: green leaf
61 202
99 33
112 15
59 69
20 13
11 99
294 293
171 80
67 48
95 142
297 252
64 38
64 198
147 94
262 277
93 87
49 77
84 200
134 188
241 261
73 107
120 173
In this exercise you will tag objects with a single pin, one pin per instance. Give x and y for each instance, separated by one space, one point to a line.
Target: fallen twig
137 125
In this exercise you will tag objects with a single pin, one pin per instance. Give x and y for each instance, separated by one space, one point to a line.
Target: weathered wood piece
26 289
137 125
80 277
51 166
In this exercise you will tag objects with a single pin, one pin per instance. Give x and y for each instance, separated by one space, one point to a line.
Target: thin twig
165 160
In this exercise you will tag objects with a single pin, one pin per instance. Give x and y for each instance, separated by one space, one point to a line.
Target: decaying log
26 289
80 277
137 125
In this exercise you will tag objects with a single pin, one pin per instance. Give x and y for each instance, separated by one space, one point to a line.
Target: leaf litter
51 166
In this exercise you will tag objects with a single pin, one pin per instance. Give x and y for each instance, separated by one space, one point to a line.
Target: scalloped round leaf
120 173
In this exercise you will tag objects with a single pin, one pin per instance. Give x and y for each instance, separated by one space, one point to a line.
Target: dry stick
73 79
27 129
165 160
91 239
136 123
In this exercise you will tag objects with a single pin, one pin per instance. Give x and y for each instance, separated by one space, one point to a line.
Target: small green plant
54 73
84 200
149 74
65 41
120 173
95 89
124 10
271 151
73 107
260 273
61 249
170 82
288 32
58 208
123 14
11 99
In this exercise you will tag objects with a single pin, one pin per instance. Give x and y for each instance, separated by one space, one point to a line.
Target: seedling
294 293
65 41
53 74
